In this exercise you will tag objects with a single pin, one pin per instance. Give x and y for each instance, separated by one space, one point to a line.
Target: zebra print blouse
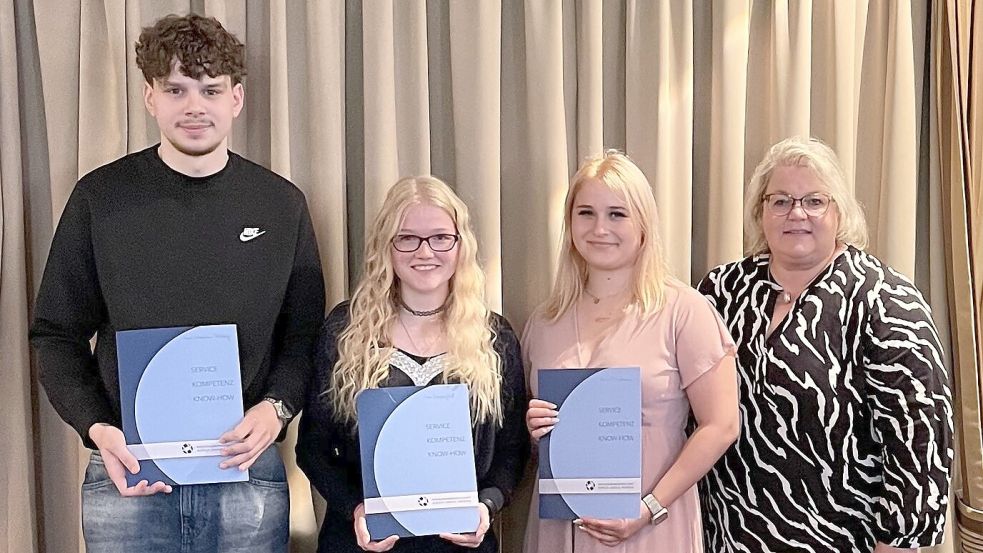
846 414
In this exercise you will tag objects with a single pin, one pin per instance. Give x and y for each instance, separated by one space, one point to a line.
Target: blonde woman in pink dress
614 304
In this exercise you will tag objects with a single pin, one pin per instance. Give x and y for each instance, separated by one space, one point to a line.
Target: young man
183 233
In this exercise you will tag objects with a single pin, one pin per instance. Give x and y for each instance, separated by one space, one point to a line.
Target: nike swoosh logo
243 237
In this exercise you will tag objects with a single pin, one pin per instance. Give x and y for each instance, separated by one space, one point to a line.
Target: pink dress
674 347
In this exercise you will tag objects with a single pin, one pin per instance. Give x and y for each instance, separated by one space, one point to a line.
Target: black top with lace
328 450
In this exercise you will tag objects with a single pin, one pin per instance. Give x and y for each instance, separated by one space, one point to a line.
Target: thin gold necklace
597 299
419 351
416 348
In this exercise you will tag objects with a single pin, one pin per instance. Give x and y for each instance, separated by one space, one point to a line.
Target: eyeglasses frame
422 239
829 199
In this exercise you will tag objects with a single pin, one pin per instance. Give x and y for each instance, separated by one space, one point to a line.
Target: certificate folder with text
418 473
590 464
180 390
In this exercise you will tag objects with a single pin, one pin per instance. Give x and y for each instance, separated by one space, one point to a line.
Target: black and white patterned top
846 414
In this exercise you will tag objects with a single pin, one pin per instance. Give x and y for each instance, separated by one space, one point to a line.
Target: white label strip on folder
420 502
589 485
177 450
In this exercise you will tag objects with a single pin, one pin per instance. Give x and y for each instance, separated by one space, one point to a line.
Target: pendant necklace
417 350
597 299
784 296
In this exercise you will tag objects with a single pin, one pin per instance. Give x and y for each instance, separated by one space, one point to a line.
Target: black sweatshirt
140 245
328 450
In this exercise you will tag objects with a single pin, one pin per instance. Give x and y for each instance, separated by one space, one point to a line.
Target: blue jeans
239 517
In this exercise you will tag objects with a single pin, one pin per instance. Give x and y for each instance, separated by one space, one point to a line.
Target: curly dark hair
200 45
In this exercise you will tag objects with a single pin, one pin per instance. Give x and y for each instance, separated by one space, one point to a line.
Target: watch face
281 410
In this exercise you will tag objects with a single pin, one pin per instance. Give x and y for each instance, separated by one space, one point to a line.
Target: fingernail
556 419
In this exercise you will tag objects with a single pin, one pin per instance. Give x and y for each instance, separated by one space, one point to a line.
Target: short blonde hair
821 159
617 172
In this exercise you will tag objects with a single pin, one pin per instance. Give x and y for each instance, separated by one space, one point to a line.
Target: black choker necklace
426 313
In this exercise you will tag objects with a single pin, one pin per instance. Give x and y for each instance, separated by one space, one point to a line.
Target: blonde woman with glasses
613 305
417 317
846 413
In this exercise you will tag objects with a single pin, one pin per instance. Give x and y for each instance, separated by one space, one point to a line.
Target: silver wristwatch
282 412
659 513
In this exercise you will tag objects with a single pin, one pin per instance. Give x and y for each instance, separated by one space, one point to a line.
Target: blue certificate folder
590 464
180 390
417 451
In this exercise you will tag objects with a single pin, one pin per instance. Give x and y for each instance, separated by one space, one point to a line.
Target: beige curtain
17 473
957 51
501 98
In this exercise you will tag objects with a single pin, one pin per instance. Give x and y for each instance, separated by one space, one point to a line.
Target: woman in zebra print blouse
845 403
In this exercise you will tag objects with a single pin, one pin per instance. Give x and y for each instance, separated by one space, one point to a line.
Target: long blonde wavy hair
365 346
616 171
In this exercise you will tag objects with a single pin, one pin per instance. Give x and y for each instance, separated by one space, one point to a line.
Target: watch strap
491 508
659 513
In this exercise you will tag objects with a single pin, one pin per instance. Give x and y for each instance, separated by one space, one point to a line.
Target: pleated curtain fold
959 59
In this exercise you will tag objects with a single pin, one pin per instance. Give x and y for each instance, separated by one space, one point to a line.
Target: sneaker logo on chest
250 233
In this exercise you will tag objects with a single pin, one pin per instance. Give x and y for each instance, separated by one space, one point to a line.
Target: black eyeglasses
780 204
407 243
